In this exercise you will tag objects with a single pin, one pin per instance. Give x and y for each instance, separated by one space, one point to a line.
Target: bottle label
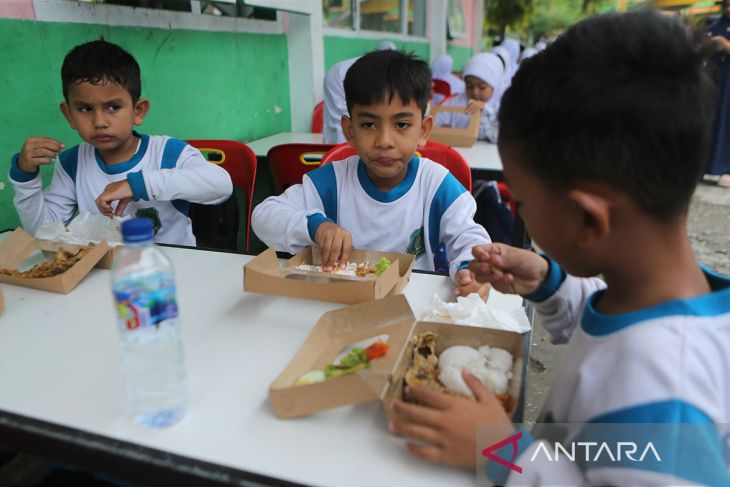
140 306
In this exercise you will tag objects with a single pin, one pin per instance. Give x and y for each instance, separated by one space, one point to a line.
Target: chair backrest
447 98
290 162
436 151
318 118
441 87
239 160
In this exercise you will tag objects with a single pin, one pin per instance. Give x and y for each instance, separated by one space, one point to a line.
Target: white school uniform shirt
335 105
667 364
428 207
488 121
165 175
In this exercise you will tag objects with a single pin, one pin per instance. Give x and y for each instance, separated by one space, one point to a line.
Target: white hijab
487 67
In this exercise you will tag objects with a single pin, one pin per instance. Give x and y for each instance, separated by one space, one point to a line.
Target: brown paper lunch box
263 274
2 301
391 316
465 137
15 249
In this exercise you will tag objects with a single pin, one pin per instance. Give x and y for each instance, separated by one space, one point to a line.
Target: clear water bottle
147 315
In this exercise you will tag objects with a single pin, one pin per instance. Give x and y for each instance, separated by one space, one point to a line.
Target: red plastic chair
290 162
318 118
240 162
441 87
437 152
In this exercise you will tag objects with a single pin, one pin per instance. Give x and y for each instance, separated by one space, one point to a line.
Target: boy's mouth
386 161
101 138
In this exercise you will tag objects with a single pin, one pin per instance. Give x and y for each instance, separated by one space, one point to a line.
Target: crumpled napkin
472 311
85 228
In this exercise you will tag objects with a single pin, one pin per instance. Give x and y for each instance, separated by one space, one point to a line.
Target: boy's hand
334 245
466 284
37 151
119 191
509 269
445 426
474 106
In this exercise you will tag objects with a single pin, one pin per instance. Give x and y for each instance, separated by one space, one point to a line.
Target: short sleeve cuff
314 221
18 174
136 183
555 277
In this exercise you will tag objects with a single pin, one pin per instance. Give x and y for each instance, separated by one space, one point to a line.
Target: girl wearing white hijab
441 68
482 74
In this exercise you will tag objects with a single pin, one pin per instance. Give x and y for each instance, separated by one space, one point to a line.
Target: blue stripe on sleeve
556 276
449 189
325 182
313 223
70 161
136 182
687 442
18 174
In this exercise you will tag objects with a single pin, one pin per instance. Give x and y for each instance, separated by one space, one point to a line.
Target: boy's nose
100 120
385 139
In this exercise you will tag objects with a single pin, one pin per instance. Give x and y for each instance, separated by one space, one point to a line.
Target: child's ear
140 110
595 216
426 127
347 129
67 113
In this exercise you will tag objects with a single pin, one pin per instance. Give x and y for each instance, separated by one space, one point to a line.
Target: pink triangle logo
487 452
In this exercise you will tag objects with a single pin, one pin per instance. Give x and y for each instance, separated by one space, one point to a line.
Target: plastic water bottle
152 355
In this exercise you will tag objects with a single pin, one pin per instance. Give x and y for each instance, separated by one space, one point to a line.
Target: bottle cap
137 230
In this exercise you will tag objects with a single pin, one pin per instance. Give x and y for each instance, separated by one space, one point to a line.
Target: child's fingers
345 249
413 413
425 452
121 206
415 431
481 393
325 248
432 399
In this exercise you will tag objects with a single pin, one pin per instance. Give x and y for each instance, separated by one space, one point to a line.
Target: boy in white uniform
117 171
604 169
386 197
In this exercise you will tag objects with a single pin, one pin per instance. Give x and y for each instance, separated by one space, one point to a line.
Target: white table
261 146
60 371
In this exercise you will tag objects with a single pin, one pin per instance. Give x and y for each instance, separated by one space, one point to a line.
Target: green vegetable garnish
381 266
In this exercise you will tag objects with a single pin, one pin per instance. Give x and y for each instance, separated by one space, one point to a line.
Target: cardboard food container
393 317
20 245
2 301
263 274
465 137
108 259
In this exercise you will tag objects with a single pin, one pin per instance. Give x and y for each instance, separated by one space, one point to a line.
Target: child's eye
368 125
114 108
84 109
403 125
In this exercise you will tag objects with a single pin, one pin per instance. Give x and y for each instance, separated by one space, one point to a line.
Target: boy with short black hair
604 136
116 171
386 197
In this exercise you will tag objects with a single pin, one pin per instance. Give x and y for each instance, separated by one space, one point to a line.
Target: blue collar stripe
393 194
715 303
325 182
123 167
448 191
555 278
685 438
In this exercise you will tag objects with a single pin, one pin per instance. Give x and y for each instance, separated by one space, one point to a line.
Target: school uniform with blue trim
428 207
667 364
165 175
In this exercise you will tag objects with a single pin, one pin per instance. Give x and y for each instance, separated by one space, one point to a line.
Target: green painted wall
460 55
337 49
200 84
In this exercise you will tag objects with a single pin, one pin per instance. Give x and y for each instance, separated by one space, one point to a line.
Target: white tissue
473 311
85 228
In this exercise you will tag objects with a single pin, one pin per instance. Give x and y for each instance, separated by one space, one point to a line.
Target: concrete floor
709 231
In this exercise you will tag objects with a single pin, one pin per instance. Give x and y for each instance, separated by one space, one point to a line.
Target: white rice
348 271
491 365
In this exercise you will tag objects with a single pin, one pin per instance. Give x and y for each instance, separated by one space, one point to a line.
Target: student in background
719 163
483 74
385 197
441 69
335 106
605 184
116 171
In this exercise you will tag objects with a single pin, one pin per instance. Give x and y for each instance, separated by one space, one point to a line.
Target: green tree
501 14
